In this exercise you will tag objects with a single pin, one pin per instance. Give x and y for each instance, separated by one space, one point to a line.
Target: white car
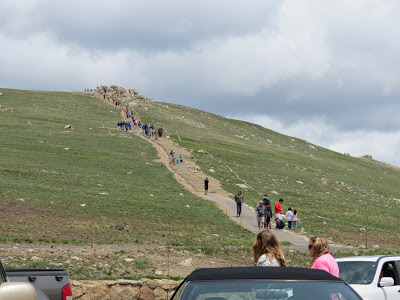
372 277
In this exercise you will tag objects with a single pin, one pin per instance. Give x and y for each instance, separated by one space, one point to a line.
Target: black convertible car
248 283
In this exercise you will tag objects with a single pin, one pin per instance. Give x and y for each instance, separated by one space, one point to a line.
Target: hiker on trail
260 212
279 223
173 156
268 215
289 216
206 186
278 209
160 132
181 158
322 259
266 250
294 220
239 201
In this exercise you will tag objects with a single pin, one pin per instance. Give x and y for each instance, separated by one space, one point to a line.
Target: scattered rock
186 263
275 193
68 126
243 186
104 194
187 205
181 194
362 230
66 148
35 258
83 205
312 147
118 227
200 151
158 273
129 260
212 171
299 182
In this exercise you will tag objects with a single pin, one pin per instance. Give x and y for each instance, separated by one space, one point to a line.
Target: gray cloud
300 66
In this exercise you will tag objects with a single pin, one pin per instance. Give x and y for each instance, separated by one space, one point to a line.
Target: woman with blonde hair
266 250
321 258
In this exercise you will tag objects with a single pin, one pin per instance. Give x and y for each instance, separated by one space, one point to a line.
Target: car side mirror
386 281
17 291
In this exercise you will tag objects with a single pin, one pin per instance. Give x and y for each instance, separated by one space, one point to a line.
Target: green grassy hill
57 183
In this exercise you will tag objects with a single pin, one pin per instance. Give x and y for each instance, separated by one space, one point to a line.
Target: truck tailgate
47 282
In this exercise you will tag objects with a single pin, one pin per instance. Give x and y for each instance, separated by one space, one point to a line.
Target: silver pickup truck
49 284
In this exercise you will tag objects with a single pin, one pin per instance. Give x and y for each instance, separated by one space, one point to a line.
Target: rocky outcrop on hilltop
114 91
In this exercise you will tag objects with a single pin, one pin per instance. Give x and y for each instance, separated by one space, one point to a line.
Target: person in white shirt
289 216
266 250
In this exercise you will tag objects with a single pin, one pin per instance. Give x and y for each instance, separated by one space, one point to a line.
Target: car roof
278 273
371 258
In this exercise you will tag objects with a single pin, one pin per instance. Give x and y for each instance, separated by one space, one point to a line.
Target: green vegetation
331 191
59 183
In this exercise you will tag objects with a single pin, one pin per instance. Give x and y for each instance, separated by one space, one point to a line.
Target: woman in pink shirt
322 259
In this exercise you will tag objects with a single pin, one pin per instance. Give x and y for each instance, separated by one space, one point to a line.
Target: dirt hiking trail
189 175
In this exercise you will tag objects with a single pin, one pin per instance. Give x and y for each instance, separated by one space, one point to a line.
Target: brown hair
320 247
267 243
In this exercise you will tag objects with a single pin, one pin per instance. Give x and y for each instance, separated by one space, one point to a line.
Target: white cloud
326 71
381 145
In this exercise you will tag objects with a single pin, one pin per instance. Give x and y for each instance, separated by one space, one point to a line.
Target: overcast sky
324 71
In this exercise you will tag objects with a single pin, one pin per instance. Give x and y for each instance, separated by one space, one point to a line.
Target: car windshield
357 272
266 290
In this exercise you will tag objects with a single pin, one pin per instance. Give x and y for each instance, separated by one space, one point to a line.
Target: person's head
267 243
295 212
317 246
266 196
281 200
239 192
276 219
261 203
289 208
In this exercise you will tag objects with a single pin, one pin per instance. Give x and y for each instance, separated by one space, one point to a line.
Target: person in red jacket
278 209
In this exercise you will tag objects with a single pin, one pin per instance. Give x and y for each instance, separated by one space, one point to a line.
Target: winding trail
192 178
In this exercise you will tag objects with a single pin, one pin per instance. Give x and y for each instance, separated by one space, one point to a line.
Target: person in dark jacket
280 224
268 210
239 201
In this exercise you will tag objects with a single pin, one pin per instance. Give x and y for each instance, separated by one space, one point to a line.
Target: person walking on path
266 250
294 220
268 214
260 212
206 186
289 216
278 209
322 259
239 201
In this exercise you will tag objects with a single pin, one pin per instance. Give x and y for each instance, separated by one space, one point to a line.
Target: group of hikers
174 160
132 124
264 213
